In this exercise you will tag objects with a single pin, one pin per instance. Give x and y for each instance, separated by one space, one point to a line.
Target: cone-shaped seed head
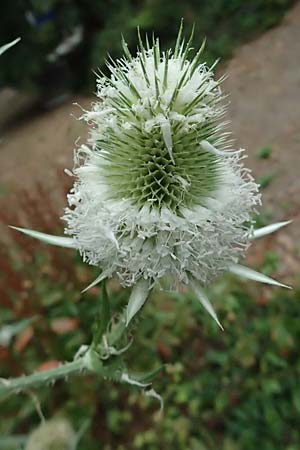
157 190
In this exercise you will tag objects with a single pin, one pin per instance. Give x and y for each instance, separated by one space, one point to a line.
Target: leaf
251 274
202 297
146 377
269 229
153 394
137 298
7 46
126 378
116 331
59 241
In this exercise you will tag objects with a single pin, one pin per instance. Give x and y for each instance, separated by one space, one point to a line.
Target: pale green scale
145 173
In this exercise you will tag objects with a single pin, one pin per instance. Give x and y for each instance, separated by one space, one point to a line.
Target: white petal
137 298
97 280
60 241
269 229
7 46
202 297
251 274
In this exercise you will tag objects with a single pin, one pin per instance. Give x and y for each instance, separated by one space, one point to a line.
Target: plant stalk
48 376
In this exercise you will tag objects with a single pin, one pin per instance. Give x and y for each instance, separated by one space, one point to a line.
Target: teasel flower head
159 192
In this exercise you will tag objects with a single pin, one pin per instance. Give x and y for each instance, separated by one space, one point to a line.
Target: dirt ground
264 86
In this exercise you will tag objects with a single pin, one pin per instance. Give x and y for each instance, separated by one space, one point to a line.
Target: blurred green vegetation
264 153
225 23
232 390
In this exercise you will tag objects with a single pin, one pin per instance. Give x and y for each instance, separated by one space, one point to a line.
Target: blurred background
231 390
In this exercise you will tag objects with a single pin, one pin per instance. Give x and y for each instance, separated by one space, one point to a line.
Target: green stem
91 360
28 381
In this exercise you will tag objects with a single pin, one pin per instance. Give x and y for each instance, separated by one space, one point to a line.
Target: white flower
158 190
